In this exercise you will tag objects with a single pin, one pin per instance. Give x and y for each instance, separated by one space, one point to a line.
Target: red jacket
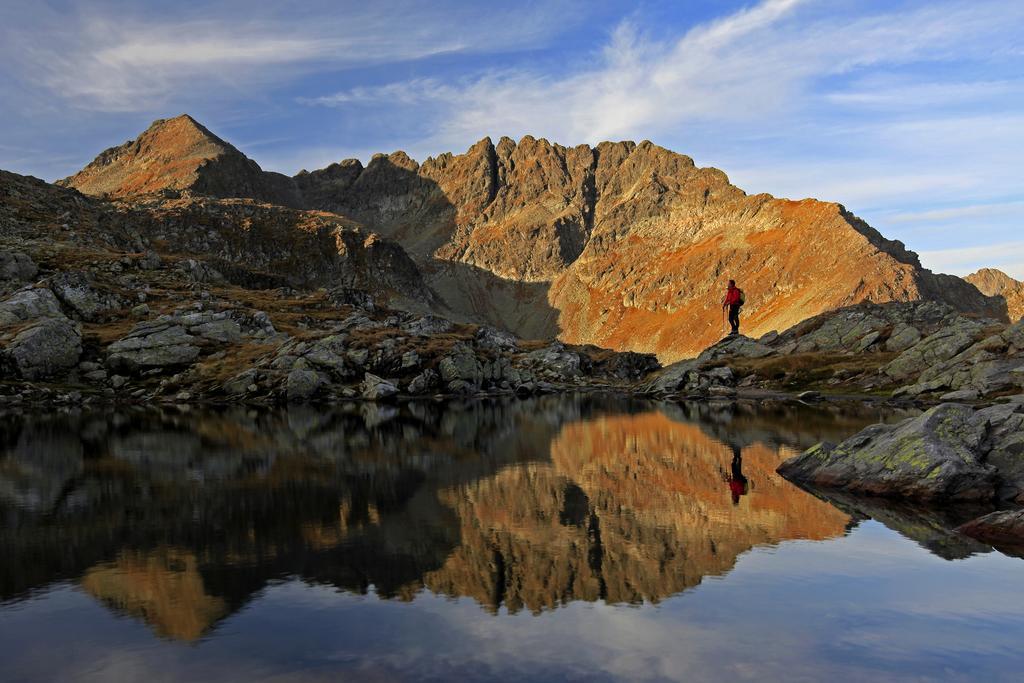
732 296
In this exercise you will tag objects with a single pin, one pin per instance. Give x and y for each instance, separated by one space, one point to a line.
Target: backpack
743 298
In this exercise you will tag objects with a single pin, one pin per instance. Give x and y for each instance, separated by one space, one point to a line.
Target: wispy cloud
753 65
1007 256
126 62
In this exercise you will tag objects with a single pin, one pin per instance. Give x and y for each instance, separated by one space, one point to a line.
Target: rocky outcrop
993 282
1001 528
950 452
45 348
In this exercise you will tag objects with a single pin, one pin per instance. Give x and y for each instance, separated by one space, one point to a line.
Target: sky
909 113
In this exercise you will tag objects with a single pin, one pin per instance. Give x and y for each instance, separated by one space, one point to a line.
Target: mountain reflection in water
180 517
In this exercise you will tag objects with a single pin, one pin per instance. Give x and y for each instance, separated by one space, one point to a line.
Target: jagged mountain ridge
623 245
994 282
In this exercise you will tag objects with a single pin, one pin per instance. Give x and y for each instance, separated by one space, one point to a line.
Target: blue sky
909 113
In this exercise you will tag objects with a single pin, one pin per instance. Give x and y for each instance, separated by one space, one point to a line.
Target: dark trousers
734 318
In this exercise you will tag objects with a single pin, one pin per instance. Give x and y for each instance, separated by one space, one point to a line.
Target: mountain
175 155
993 282
624 245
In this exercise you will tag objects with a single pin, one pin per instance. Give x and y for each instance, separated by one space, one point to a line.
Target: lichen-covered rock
45 348
28 304
423 382
76 290
934 349
158 344
935 456
302 384
461 365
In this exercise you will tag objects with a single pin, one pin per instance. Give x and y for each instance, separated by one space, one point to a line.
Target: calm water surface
553 539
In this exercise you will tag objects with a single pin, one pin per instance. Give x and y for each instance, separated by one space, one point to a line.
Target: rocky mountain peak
176 155
994 282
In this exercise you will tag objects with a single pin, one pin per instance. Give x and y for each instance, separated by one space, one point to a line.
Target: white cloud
1014 208
129 63
754 65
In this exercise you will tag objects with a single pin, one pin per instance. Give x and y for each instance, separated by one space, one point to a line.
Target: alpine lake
563 538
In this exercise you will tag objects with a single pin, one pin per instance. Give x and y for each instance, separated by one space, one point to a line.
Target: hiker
737 482
733 300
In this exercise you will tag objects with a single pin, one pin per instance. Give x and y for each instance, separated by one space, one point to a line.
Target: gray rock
557 359
423 382
223 330
934 349
492 338
201 272
118 381
935 456
903 336
428 325
960 395
736 346
461 365
241 383
16 266
75 290
28 304
45 348
157 344
302 384
410 360
1005 440
809 396
150 261
375 388
140 311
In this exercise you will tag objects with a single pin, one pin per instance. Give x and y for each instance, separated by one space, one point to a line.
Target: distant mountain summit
175 155
624 245
994 282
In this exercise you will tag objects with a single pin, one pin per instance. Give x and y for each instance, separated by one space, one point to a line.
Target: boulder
492 338
935 456
76 291
1000 527
629 365
736 346
934 349
461 365
1005 442
428 326
301 384
45 348
17 267
157 344
377 388
556 358
28 304
423 382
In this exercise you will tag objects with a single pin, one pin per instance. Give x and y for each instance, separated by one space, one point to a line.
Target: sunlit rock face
624 245
993 282
175 155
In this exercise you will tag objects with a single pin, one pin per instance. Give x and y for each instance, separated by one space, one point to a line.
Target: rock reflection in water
180 517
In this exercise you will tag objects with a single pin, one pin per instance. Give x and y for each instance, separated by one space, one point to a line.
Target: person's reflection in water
737 481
